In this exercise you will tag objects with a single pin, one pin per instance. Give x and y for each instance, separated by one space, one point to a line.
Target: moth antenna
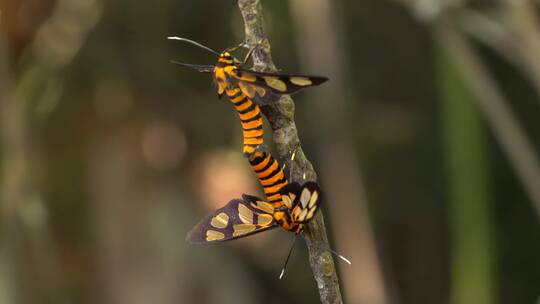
287 260
193 42
340 256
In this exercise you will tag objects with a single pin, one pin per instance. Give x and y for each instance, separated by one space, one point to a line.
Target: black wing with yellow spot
265 88
303 201
239 218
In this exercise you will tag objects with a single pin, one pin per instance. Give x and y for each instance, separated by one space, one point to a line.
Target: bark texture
281 118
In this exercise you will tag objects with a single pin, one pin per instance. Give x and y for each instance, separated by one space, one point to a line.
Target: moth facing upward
248 89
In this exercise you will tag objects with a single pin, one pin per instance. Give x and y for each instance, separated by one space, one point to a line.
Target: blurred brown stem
281 118
29 258
13 167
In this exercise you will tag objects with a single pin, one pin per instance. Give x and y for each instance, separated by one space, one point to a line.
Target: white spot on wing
300 81
311 213
302 216
220 221
245 214
212 235
275 83
313 199
241 229
286 200
304 197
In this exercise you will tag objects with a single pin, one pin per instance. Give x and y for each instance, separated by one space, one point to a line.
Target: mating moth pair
288 205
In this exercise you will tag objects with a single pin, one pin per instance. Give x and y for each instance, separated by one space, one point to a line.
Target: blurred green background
425 140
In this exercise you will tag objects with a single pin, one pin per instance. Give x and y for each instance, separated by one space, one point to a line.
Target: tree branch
281 118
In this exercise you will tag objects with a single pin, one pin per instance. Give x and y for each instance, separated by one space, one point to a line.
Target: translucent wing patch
268 87
239 218
259 94
303 201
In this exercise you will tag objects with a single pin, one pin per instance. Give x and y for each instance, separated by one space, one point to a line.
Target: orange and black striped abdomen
251 119
270 176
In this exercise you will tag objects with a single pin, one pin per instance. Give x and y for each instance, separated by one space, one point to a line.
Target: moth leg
249 150
248 55
261 148
289 162
251 50
234 48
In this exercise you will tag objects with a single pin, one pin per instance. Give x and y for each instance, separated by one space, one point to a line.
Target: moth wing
305 200
238 218
196 67
259 94
272 85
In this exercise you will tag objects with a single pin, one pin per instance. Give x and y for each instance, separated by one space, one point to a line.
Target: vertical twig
281 119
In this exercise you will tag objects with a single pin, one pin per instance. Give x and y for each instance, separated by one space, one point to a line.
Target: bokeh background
425 139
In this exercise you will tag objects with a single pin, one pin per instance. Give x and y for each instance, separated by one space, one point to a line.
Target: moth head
226 58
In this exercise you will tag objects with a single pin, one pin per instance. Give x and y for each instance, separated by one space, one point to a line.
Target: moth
250 215
247 89
288 205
